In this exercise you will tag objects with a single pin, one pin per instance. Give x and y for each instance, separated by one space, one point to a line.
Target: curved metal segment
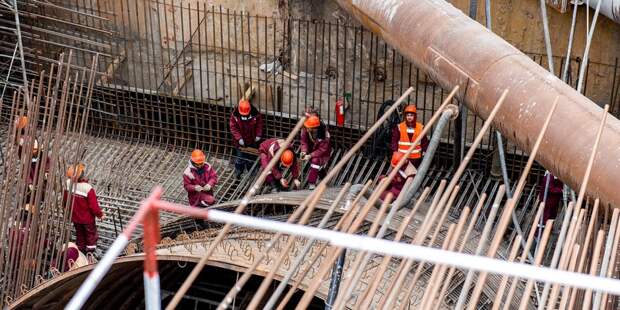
609 8
456 50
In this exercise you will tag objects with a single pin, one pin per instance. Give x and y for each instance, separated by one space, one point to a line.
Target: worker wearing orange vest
398 182
406 133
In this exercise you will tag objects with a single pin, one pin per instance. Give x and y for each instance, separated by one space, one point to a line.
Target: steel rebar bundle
34 217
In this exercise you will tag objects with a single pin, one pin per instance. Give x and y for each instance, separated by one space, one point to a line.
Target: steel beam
456 50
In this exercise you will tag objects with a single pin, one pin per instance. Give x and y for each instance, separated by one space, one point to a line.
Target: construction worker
37 166
275 178
20 131
554 195
246 126
18 234
199 180
408 131
315 147
85 208
398 182
74 258
311 111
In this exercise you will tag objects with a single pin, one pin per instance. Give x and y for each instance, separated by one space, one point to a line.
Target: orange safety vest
404 143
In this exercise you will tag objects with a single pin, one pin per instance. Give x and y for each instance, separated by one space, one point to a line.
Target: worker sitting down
315 147
398 182
275 178
199 180
85 208
246 126
406 133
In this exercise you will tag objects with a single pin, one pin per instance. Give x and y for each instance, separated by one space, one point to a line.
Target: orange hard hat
75 171
244 107
411 109
396 157
287 158
21 122
312 122
198 157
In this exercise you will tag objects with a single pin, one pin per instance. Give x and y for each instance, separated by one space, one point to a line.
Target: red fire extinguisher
340 111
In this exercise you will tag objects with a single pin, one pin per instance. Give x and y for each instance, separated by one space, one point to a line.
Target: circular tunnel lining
122 287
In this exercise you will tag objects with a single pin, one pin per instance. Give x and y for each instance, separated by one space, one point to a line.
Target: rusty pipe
455 50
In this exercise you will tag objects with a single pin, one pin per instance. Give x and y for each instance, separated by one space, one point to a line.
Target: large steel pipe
456 50
609 8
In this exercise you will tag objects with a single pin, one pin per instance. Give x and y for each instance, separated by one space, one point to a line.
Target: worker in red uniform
311 111
18 235
246 126
554 195
406 132
85 208
199 180
275 178
20 131
37 166
315 147
398 182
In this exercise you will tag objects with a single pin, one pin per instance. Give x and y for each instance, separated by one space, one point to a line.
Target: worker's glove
198 188
297 183
302 154
306 157
102 217
284 183
241 142
206 188
30 187
256 139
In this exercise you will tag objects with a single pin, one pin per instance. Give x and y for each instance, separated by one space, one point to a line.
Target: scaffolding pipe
432 34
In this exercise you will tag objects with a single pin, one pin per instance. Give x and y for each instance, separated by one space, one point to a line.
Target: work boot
238 174
311 186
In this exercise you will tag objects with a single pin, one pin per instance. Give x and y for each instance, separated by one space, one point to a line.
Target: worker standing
406 133
315 147
85 208
398 182
246 126
275 178
199 180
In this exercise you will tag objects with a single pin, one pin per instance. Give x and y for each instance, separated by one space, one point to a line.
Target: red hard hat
396 157
198 157
244 107
411 109
287 158
75 171
21 122
312 122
